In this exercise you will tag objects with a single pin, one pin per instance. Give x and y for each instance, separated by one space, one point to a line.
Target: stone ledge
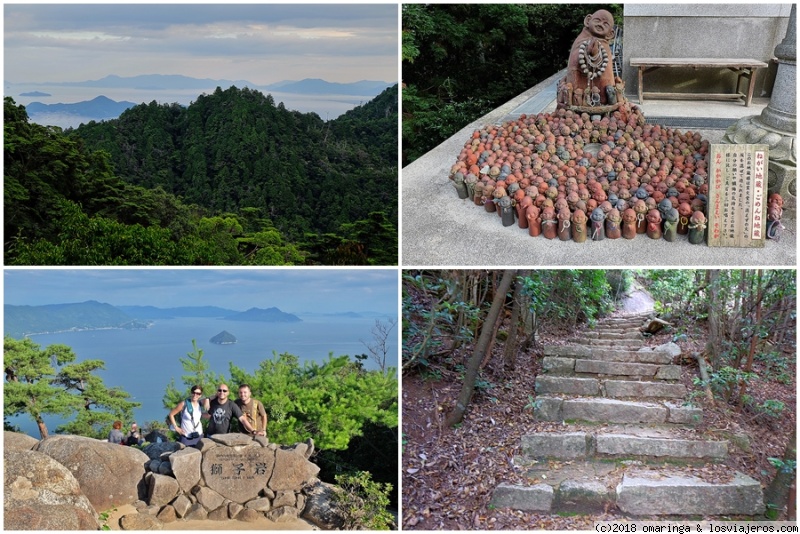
538 498
625 445
641 495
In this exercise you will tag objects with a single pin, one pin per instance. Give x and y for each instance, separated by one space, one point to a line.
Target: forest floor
449 474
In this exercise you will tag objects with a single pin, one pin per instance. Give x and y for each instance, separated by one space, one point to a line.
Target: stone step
602 410
668 491
658 493
604 334
571 385
610 355
621 344
582 445
642 370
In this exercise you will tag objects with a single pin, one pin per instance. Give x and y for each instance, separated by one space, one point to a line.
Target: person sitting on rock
220 410
134 437
115 436
253 409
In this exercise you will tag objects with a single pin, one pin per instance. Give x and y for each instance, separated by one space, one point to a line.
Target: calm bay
143 362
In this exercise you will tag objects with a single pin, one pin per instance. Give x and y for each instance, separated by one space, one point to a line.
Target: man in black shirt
220 411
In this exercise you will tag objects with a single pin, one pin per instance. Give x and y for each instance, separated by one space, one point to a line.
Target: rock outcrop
14 441
41 494
109 474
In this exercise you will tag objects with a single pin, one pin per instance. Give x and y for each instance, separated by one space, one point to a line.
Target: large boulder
292 469
14 441
41 494
319 509
109 474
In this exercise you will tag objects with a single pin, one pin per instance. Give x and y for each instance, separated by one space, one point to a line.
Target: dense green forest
474 344
460 61
232 179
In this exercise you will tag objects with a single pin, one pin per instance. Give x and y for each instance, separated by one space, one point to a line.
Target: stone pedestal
777 124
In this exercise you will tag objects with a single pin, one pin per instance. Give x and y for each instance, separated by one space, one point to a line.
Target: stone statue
629 223
671 225
697 228
640 207
522 209
549 222
579 226
684 212
478 198
534 221
654 224
461 187
613 224
774 214
506 209
564 217
589 65
598 224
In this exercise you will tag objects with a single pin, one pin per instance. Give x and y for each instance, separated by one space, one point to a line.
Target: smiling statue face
600 24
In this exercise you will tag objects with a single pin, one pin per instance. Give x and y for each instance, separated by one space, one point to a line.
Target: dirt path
208 525
636 301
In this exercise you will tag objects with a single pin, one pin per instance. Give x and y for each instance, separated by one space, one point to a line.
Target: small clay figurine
488 204
774 214
684 212
613 224
629 223
579 226
549 223
471 180
564 217
654 224
577 97
461 187
534 221
598 224
478 194
640 207
522 208
697 228
671 225
506 210
611 94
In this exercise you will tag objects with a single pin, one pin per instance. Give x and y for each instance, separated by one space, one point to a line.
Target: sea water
143 362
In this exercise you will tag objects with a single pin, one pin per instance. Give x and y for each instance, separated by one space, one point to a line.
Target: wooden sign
737 195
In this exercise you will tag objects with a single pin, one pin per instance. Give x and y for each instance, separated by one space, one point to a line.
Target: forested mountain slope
236 148
230 180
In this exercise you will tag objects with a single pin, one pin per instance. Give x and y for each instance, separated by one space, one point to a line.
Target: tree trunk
471 374
713 344
753 339
512 344
42 427
777 494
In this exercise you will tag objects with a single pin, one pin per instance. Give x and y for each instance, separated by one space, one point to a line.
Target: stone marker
238 474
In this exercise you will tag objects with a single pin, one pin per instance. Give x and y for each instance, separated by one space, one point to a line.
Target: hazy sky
255 42
291 290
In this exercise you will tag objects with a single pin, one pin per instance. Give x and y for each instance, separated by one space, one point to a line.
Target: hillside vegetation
232 179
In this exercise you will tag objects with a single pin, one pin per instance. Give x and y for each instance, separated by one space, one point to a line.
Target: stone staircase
625 438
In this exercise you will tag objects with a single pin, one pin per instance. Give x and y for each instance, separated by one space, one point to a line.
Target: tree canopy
230 180
48 381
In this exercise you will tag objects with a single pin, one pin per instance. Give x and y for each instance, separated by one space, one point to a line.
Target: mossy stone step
609 355
591 387
603 410
662 493
582 445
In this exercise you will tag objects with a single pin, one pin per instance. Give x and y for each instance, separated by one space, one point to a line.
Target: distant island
38 94
224 338
270 315
21 321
